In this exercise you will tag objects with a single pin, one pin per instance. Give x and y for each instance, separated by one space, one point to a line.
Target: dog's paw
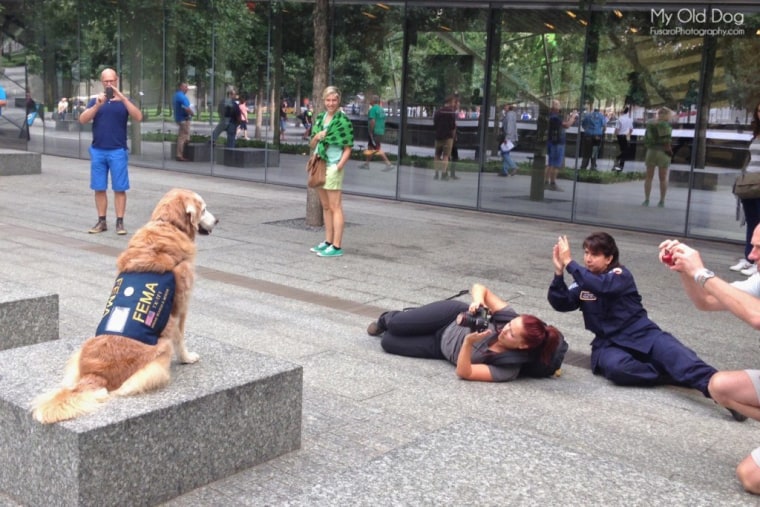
190 357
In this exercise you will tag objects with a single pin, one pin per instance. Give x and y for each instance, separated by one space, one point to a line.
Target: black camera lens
478 322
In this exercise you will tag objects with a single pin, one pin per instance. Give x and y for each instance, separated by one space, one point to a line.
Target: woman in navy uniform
628 348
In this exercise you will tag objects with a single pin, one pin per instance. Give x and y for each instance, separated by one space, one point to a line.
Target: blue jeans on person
226 125
507 164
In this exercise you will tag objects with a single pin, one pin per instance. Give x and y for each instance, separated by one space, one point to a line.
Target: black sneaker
737 416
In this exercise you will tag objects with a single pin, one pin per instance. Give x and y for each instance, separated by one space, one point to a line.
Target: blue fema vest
139 306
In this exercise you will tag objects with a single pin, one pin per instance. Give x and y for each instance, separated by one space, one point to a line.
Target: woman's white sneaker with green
320 247
331 251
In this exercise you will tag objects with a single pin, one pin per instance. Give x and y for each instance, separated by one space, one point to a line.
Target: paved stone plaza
382 430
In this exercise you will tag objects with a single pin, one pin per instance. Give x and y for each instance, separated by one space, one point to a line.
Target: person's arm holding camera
482 296
88 114
465 369
707 291
570 120
133 110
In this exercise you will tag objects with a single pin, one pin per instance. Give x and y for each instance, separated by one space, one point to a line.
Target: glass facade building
624 59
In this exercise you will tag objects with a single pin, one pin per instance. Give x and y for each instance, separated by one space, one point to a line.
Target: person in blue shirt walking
593 125
183 113
109 112
628 349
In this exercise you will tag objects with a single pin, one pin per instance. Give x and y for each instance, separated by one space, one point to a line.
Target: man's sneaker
374 329
331 251
365 165
99 227
554 187
120 230
320 247
389 167
742 264
750 270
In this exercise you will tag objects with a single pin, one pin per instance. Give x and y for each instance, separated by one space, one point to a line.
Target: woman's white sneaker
750 270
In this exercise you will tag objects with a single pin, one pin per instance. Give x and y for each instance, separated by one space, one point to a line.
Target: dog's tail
68 403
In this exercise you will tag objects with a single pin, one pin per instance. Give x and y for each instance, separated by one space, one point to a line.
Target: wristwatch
702 276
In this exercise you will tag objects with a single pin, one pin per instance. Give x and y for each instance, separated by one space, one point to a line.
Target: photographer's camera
476 322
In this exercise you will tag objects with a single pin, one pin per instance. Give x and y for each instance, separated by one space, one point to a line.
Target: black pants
625 149
417 332
590 148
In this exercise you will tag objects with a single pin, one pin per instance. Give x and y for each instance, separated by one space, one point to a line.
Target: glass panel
537 58
239 50
730 92
56 63
142 47
632 74
367 67
106 40
445 61
285 89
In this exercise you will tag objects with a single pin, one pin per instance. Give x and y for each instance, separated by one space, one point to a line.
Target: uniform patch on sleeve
587 296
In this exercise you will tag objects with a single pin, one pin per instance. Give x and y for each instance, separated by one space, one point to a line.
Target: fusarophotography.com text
696 22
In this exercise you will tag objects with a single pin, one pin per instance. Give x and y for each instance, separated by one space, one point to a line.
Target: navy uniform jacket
611 307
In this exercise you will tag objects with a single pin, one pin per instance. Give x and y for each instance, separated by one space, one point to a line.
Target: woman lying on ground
498 348
628 349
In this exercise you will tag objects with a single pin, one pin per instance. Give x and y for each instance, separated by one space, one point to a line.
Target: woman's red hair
539 335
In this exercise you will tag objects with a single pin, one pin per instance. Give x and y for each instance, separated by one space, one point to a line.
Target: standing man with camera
109 112
183 113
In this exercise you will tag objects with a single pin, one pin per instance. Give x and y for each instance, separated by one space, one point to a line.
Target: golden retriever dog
144 320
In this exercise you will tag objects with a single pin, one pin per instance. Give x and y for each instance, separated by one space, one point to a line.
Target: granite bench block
27 316
704 179
232 410
196 152
251 157
15 162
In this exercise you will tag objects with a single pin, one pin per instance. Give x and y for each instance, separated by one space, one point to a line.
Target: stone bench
26 316
195 152
248 157
704 179
230 411
15 162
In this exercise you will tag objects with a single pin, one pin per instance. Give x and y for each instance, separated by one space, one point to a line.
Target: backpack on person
537 369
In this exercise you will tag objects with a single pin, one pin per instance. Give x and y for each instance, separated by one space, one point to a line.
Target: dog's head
186 210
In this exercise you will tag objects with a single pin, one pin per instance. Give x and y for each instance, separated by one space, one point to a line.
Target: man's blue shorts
556 154
103 161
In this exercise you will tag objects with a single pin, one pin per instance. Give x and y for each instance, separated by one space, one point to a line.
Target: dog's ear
193 214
